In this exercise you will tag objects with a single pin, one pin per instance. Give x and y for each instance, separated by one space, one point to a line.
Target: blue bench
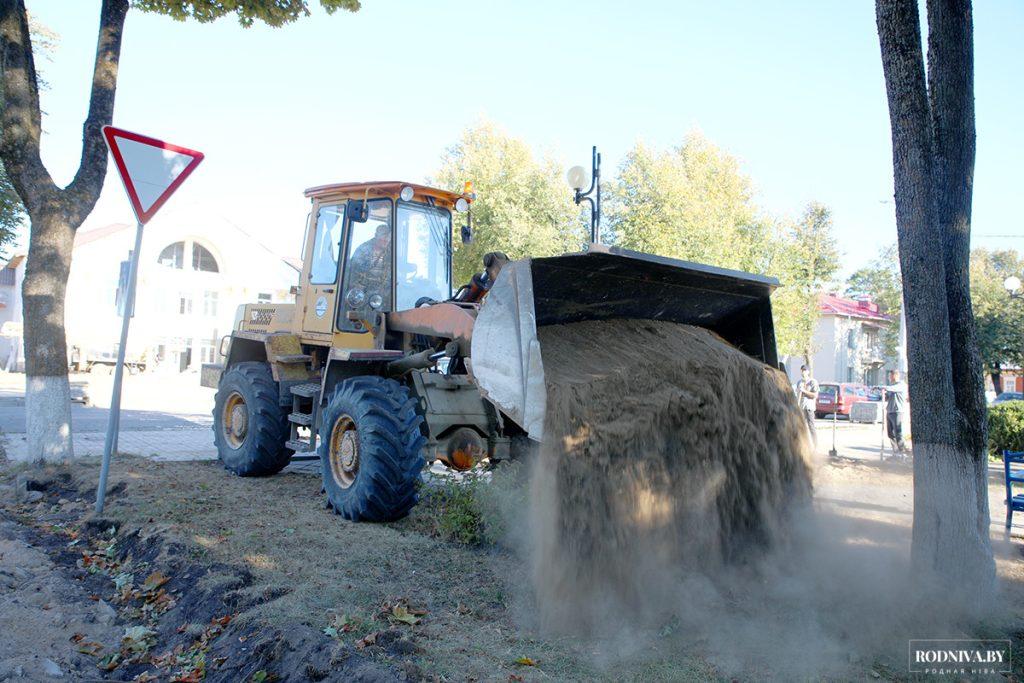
1013 475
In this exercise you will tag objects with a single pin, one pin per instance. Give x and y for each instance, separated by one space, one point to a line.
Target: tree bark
54 214
933 160
997 379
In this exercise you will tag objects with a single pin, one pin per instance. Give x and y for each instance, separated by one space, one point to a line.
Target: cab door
321 288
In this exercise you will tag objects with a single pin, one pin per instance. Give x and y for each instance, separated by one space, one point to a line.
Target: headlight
355 298
407 194
462 205
376 301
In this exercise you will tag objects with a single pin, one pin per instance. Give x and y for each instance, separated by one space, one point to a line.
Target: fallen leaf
154 581
110 662
526 661
90 648
366 641
401 613
76 637
223 621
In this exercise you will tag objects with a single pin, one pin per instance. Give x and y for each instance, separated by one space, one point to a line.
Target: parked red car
839 398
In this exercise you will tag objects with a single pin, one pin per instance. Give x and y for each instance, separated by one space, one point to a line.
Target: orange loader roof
380 187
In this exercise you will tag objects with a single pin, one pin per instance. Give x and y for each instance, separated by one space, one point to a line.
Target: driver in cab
370 262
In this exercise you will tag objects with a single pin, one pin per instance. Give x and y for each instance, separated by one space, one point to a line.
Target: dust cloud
672 495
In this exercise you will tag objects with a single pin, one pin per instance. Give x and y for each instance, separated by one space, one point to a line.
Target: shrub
460 515
1006 427
471 508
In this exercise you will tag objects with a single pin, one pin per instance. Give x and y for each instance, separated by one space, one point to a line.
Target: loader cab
374 248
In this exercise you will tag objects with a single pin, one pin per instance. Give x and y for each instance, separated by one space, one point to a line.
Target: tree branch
21 118
84 190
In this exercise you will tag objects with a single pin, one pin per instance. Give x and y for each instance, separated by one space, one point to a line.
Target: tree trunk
951 91
932 194
54 214
997 379
47 392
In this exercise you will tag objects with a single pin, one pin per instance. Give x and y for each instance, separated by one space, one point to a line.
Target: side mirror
782 366
358 211
467 234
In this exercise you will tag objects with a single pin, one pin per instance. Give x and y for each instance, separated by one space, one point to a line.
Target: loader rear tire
250 427
371 450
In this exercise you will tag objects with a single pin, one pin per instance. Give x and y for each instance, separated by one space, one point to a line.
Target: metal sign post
114 419
151 171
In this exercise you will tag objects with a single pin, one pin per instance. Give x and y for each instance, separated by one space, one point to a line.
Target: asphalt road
94 419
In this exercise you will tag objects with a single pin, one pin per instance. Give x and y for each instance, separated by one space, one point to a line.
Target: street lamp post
577 177
1012 285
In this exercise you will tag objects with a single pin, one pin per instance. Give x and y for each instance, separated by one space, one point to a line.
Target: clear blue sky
793 88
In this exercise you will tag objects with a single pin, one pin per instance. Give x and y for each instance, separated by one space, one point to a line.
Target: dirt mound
666 452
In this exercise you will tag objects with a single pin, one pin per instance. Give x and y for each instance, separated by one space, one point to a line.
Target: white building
847 343
11 277
194 272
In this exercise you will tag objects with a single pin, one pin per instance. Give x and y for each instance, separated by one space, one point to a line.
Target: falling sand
667 453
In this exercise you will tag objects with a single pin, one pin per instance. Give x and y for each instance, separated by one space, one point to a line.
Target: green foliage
1006 427
523 207
473 508
12 213
880 280
453 509
999 319
691 202
270 12
807 261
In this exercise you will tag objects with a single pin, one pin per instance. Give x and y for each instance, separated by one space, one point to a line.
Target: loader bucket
599 284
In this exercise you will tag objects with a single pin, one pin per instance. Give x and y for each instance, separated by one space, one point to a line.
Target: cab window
368 264
330 220
423 242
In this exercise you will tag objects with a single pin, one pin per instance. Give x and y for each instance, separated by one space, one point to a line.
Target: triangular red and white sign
151 169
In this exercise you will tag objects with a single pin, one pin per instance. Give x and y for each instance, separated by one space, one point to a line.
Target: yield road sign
150 169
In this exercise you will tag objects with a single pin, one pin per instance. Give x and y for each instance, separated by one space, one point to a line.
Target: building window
173 256
263 298
208 349
184 304
851 339
203 260
1009 384
849 374
210 303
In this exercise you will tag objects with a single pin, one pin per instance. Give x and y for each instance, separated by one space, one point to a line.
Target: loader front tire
250 428
371 450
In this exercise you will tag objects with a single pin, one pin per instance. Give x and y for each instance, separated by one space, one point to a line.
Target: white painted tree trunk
951 534
48 419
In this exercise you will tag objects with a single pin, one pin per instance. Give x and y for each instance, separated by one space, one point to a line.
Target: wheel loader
381 365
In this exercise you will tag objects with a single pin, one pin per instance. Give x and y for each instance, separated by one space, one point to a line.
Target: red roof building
864 308
847 345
